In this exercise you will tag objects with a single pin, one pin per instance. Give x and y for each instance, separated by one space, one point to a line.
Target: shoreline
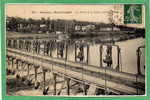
101 37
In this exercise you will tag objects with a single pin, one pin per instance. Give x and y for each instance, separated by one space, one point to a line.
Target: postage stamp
133 14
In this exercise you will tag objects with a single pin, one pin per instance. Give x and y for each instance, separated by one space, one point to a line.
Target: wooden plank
121 87
121 75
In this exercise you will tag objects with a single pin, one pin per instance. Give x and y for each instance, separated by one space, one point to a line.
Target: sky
85 12
92 13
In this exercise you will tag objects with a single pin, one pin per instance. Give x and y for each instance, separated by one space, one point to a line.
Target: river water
129 56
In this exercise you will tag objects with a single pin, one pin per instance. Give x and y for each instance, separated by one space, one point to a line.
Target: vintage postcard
75 50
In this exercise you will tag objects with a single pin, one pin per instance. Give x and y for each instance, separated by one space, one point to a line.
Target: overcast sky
95 13
85 12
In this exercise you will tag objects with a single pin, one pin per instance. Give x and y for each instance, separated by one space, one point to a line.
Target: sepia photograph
75 50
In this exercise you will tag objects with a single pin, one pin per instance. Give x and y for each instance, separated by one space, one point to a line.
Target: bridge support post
45 90
100 50
88 48
28 70
54 83
17 61
17 69
138 62
68 86
28 74
75 52
12 66
36 84
85 89
118 60
8 65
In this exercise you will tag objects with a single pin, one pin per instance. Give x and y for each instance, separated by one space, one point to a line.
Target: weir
92 78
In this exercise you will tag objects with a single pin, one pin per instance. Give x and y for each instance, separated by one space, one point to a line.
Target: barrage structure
31 59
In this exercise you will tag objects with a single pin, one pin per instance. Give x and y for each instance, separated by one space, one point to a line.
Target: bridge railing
80 51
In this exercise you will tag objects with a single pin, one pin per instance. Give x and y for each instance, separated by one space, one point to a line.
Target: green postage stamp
133 14
75 49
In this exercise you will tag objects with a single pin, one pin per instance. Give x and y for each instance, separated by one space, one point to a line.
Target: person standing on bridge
108 57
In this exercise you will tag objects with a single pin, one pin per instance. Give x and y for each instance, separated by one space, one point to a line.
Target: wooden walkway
98 76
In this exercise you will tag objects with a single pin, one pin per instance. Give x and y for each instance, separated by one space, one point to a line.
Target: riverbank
100 37
15 35
109 36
